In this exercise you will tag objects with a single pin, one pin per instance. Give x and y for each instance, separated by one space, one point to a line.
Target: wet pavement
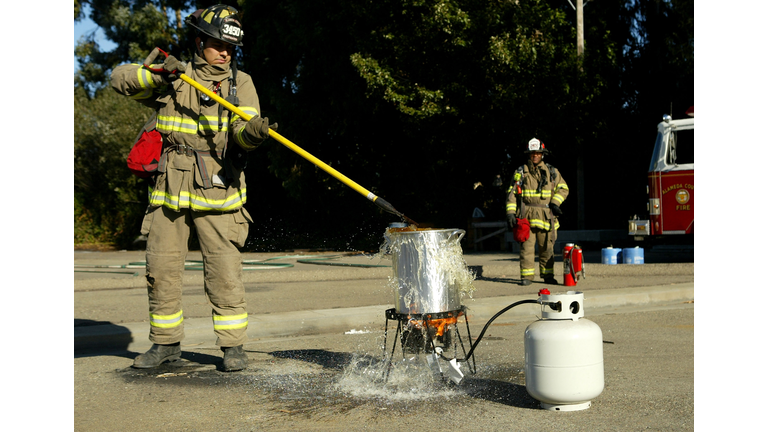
317 349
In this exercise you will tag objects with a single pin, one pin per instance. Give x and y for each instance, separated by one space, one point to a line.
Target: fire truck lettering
683 207
672 187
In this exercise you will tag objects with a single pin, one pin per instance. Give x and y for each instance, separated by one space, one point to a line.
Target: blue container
633 255
611 256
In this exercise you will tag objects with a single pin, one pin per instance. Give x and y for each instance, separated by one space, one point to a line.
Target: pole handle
301 152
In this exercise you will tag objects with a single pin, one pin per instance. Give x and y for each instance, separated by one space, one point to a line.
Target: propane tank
563 354
573 263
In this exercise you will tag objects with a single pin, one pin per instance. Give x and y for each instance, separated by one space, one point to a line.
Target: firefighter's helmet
221 22
535 145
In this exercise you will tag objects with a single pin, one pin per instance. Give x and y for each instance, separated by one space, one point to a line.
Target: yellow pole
301 152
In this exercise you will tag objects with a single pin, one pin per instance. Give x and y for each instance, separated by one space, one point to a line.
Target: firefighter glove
257 128
511 220
556 209
173 68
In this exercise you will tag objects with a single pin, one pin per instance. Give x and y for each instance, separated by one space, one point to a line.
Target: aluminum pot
427 267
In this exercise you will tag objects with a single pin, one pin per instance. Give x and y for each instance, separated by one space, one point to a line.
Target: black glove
257 128
173 69
555 209
511 220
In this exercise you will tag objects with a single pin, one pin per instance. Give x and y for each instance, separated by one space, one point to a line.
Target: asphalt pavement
317 345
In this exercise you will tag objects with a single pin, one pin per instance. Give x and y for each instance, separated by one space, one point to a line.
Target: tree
109 200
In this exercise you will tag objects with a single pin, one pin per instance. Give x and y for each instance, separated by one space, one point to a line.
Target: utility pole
580 28
580 189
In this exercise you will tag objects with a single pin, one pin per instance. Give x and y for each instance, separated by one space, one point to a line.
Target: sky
86 26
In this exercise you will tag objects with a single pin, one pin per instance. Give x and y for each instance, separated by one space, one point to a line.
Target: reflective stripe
251 111
212 123
221 322
176 124
558 199
527 272
166 321
241 140
511 207
195 202
543 224
546 271
545 193
143 95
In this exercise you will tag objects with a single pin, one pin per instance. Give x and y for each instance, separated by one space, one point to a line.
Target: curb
199 331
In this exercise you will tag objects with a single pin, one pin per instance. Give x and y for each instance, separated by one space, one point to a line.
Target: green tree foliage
136 27
109 200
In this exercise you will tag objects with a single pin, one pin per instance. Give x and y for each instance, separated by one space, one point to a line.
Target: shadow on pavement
93 338
326 359
510 394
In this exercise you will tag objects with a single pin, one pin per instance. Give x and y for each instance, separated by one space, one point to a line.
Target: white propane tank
563 354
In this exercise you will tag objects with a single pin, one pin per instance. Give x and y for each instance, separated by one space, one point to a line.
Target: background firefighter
535 194
200 185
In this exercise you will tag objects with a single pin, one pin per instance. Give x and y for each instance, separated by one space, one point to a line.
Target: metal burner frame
424 318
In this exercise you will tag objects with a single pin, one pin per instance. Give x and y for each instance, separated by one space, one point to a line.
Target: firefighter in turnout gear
200 185
535 193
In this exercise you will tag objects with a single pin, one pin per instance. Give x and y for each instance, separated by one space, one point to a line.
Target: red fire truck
670 183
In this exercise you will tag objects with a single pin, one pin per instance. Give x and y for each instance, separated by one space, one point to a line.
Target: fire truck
670 183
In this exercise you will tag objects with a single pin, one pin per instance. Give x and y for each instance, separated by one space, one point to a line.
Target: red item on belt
522 230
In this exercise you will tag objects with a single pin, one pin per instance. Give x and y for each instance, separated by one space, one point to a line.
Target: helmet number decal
231 30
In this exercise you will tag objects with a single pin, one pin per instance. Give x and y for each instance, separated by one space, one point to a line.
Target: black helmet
535 145
220 22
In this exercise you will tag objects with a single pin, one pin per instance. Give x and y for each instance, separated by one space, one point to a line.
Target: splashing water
430 274
410 379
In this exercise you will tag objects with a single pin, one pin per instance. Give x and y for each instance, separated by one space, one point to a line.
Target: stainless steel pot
428 269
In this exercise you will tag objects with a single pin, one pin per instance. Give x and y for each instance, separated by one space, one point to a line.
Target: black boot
157 355
550 280
234 358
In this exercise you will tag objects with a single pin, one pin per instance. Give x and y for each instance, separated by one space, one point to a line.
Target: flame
440 324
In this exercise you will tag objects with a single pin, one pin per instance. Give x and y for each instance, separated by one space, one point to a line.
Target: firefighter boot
157 355
550 280
234 358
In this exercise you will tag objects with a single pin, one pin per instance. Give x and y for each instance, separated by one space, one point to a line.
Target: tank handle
461 233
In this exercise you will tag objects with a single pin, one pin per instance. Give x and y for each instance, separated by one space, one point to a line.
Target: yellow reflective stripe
176 124
538 223
145 78
527 272
212 123
143 95
251 111
546 271
227 322
166 321
241 140
196 202
546 193
511 207
558 199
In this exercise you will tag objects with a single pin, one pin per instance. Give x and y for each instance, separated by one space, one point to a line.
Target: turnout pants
546 242
219 234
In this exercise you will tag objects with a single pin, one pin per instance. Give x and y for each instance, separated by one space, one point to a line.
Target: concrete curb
199 331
